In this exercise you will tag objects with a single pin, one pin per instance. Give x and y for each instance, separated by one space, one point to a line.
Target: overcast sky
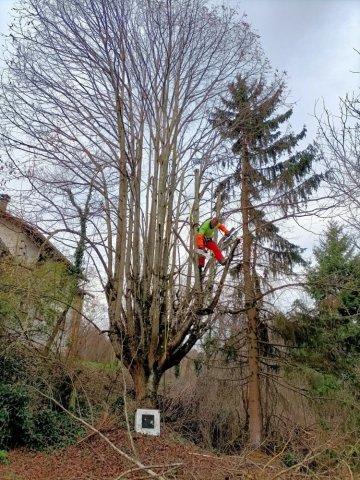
312 40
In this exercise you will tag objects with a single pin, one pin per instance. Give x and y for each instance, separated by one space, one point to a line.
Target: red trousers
211 245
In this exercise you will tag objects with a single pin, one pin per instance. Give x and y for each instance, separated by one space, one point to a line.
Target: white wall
19 244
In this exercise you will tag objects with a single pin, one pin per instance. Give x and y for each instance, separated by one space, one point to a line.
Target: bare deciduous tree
112 97
339 143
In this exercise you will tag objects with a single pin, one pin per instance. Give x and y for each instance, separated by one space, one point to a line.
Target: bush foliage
26 419
23 425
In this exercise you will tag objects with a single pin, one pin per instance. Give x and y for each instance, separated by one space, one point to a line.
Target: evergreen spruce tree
275 182
329 332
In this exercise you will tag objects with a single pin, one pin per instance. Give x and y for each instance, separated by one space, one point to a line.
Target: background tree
109 100
328 331
338 142
275 183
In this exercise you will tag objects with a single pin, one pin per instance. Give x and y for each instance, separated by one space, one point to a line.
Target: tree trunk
254 402
55 331
75 326
146 384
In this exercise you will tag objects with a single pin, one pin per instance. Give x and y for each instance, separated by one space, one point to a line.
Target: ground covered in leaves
92 458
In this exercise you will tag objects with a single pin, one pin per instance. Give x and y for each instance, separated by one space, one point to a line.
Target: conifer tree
329 331
275 182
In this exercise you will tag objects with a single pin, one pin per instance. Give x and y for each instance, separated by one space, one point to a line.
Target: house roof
39 239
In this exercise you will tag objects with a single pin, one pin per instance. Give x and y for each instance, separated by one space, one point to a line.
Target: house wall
19 245
64 334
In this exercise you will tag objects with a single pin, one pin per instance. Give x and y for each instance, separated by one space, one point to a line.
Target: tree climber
205 242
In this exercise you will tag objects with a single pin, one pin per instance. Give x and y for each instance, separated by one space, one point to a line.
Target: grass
111 366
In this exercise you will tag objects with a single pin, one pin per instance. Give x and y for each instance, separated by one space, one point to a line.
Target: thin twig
133 448
131 470
349 469
203 455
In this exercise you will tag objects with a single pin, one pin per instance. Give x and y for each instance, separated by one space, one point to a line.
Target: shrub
42 430
15 418
4 459
52 429
14 367
289 459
